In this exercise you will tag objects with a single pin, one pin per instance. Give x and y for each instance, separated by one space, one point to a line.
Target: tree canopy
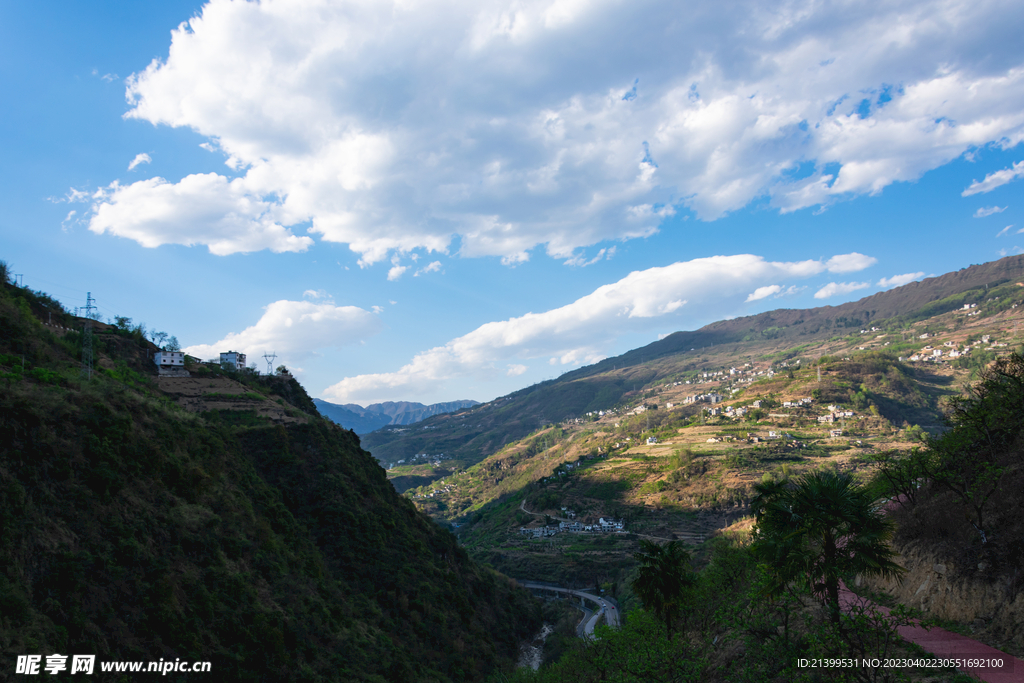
662 579
819 528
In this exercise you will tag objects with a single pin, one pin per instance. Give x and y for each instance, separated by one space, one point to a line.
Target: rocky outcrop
992 603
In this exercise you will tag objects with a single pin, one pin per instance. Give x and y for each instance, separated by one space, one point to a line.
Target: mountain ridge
483 429
376 415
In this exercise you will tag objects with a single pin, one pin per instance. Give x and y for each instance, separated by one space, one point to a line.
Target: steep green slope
135 530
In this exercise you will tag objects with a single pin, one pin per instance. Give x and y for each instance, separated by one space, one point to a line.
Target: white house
169 359
234 359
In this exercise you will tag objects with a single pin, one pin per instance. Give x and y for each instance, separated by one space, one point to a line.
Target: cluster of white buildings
951 349
603 525
173 362
703 398
834 414
799 403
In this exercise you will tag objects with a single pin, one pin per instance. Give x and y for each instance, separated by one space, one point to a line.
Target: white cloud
850 263
995 179
833 288
141 158
582 262
431 267
989 211
73 196
777 290
762 292
296 329
203 209
899 280
394 126
68 220
581 331
105 77
516 370
1004 231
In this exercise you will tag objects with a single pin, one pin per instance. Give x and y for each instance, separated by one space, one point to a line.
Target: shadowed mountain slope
137 524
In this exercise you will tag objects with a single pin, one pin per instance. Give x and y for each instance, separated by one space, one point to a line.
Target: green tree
981 443
899 474
819 528
916 433
662 579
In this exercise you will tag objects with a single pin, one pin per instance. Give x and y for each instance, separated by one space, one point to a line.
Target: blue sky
432 201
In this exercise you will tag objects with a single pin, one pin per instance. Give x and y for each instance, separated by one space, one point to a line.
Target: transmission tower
270 358
89 310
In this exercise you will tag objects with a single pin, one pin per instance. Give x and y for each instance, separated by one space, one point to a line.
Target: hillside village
678 456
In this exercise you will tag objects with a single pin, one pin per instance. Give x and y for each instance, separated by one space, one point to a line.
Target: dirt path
948 645
541 514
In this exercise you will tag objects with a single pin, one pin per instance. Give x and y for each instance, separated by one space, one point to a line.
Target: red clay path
948 645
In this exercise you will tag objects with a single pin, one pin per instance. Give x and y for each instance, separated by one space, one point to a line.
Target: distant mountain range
365 420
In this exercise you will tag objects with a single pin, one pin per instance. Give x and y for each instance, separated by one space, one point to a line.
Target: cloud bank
580 332
399 126
294 330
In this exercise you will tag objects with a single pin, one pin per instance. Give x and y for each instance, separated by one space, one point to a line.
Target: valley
676 452
661 445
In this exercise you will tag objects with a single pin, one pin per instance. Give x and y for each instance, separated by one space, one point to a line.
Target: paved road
603 607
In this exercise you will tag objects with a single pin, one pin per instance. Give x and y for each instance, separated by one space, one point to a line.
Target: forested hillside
269 543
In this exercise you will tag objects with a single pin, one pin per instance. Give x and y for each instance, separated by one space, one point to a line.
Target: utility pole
87 336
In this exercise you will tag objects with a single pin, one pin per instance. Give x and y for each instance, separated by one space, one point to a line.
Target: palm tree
662 579
820 527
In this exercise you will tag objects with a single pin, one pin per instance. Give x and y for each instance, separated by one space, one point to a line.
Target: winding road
604 607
